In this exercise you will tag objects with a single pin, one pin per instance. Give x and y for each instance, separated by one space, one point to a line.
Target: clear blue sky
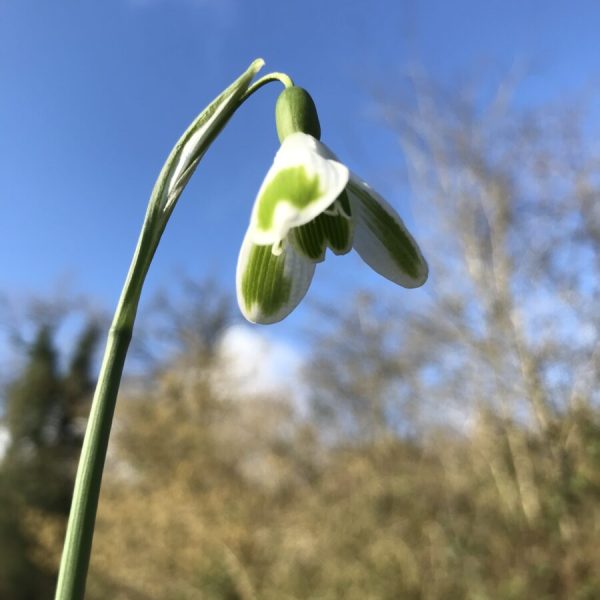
94 93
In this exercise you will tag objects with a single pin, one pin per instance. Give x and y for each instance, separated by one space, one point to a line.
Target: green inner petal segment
339 228
264 283
344 203
326 230
399 244
338 232
309 240
291 185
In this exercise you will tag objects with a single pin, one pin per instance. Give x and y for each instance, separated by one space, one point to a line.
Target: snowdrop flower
308 202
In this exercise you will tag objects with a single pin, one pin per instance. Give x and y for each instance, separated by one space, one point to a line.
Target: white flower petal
304 180
381 238
270 286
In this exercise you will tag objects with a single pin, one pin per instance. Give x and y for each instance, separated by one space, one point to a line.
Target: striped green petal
381 238
332 229
304 181
270 286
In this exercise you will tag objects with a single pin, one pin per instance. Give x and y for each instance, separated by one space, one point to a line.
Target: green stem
80 530
286 80
175 174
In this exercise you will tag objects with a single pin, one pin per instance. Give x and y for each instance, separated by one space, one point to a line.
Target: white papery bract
309 202
192 145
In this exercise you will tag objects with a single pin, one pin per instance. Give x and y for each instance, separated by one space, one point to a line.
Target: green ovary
291 185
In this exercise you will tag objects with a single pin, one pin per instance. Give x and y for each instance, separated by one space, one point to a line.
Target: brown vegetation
452 449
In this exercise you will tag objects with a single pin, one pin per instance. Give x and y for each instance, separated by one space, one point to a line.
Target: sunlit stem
80 530
180 165
286 80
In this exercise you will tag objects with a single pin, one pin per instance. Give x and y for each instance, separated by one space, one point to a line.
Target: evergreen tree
45 414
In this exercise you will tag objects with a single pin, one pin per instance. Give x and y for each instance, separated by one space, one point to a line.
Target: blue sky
94 94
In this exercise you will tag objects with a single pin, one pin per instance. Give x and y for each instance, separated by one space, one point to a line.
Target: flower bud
295 111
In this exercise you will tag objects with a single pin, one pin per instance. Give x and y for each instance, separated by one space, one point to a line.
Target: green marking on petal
291 185
264 282
309 240
303 181
339 233
339 228
269 286
383 241
326 230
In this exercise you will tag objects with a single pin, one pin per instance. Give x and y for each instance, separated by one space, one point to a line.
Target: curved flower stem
175 174
286 80
80 530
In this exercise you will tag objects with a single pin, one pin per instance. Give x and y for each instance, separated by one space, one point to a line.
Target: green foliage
20 577
32 398
44 410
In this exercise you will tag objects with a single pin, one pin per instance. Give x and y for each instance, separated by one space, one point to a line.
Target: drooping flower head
309 202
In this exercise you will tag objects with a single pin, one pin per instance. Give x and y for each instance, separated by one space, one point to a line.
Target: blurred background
380 443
